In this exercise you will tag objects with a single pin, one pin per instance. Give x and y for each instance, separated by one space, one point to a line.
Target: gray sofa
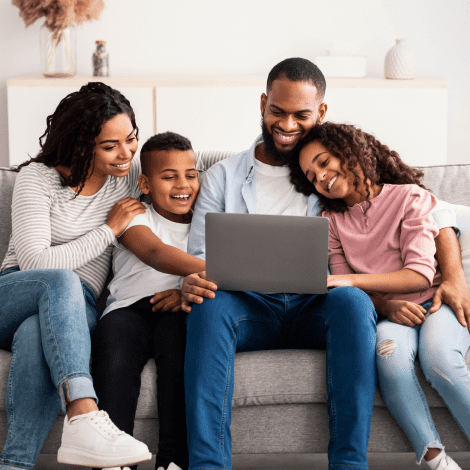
279 403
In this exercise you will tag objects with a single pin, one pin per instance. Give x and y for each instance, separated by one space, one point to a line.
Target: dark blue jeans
343 322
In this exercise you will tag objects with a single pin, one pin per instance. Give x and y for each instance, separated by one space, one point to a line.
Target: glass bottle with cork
100 60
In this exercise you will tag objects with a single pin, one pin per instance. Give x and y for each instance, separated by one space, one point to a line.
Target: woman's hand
122 213
166 300
403 312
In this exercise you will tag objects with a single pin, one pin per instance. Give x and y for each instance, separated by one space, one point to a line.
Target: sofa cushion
7 181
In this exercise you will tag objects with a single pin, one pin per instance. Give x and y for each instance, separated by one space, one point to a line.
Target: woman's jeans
343 322
441 343
46 316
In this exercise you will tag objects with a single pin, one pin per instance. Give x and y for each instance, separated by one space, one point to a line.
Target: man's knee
355 305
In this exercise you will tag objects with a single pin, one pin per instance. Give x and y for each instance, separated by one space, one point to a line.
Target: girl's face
115 147
324 171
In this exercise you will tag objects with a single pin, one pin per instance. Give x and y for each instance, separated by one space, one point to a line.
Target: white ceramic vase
400 62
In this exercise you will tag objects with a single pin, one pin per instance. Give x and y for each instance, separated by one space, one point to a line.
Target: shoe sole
89 459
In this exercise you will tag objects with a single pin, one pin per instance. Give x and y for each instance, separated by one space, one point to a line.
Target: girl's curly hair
69 139
353 147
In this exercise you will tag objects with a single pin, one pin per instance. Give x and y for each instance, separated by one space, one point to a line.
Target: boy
137 323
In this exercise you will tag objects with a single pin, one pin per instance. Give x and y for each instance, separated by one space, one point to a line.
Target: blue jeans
343 321
441 343
46 316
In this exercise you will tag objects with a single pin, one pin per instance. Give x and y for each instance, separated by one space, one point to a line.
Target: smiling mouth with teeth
122 165
332 182
287 138
181 197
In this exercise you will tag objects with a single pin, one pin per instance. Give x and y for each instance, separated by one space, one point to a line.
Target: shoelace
104 422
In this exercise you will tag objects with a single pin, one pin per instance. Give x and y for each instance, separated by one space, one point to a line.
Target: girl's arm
403 281
141 241
31 228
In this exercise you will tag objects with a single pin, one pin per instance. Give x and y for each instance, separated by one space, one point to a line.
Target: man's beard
278 156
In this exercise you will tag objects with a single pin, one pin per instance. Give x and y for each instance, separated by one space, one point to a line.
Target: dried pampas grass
59 14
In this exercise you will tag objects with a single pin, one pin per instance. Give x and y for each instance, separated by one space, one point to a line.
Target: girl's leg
397 346
443 345
169 341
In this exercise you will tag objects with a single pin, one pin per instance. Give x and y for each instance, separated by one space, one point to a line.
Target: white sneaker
93 440
448 463
172 466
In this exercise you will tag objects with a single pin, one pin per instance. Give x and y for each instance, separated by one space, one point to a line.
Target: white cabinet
223 113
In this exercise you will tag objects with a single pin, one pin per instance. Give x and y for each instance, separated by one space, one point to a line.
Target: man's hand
195 288
454 293
167 300
402 312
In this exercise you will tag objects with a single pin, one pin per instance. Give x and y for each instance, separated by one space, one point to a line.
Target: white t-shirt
133 280
275 194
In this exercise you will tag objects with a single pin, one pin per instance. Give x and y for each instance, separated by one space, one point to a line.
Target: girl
69 204
382 241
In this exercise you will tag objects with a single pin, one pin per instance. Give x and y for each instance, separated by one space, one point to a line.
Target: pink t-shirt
396 232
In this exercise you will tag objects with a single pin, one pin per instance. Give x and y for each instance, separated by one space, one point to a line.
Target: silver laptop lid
267 253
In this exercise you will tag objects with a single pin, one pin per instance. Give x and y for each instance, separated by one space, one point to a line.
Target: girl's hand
403 312
340 280
122 213
167 300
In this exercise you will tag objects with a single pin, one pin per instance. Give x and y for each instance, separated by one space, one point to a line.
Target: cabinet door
28 108
213 118
411 121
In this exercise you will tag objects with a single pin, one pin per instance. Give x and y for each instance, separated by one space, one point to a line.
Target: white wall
250 36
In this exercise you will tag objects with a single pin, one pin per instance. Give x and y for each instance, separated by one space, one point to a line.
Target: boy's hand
403 312
167 300
195 287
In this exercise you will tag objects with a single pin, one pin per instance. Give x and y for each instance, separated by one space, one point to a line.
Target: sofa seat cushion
292 376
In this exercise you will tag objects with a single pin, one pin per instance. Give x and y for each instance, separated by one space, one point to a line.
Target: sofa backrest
450 183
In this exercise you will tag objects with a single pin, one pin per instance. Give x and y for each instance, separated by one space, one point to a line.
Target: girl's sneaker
93 440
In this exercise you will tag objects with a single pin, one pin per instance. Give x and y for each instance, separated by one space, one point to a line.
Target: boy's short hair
161 142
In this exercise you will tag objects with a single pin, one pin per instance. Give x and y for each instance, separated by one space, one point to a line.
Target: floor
290 462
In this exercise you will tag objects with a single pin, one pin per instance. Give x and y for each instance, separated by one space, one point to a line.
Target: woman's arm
32 228
141 241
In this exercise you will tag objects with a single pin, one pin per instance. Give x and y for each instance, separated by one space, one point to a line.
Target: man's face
288 112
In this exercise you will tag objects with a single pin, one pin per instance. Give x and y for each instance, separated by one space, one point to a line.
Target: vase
58 52
400 62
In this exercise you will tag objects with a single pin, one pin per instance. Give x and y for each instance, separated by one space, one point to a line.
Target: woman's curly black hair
69 139
353 147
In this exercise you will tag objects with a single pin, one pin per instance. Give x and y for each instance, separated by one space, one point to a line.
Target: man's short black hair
297 69
162 142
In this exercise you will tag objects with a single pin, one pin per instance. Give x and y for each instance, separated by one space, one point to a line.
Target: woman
69 204
382 241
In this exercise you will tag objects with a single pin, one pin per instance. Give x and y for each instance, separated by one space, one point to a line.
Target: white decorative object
342 66
400 62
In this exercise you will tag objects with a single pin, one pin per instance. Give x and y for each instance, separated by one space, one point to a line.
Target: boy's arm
144 244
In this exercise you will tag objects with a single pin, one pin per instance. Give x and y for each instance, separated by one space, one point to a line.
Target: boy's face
172 183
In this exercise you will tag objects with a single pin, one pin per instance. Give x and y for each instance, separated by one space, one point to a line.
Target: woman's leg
443 345
32 401
397 346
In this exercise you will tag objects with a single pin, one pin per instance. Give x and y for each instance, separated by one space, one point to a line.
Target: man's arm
453 291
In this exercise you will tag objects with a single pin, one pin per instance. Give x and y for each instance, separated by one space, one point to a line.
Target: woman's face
115 147
324 171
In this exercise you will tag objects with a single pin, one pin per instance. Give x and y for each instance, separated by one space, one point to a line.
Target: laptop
267 253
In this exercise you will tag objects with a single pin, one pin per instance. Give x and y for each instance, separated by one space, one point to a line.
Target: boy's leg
169 340
397 347
344 321
443 344
216 329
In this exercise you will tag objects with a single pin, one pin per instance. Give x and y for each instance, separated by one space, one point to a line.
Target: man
343 321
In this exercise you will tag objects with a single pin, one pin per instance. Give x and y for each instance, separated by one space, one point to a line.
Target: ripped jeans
441 343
